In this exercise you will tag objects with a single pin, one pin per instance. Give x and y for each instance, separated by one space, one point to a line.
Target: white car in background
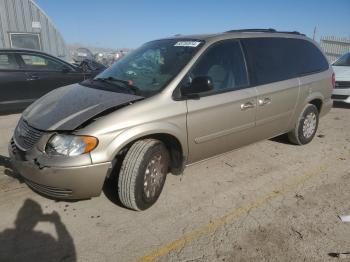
341 69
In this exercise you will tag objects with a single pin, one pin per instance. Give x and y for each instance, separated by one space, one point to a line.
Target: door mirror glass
198 85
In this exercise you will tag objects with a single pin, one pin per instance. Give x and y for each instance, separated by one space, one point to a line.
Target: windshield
151 67
343 60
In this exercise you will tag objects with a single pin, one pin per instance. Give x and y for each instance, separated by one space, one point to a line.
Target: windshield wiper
124 82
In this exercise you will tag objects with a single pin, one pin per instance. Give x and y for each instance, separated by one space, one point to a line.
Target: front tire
306 126
142 174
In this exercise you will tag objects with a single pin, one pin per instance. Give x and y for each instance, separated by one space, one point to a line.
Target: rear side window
8 61
41 63
277 59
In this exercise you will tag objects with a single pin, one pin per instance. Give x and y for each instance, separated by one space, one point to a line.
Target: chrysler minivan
170 103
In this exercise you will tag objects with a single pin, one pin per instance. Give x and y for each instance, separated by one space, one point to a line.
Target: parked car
171 103
341 68
26 75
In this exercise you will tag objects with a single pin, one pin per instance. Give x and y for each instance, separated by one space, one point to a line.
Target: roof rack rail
291 32
263 30
271 30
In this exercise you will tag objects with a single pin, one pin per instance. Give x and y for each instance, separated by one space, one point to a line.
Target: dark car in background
26 75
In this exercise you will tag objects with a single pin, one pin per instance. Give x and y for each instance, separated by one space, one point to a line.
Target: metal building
334 47
23 24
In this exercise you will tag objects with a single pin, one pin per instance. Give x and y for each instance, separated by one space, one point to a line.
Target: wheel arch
173 138
315 99
318 103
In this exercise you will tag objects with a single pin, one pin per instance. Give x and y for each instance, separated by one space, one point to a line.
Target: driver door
46 74
224 118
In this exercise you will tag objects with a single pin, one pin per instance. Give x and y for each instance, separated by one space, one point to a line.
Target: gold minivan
170 103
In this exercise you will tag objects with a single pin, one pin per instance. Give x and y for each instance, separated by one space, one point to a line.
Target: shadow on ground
24 243
283 139
110 187
341 105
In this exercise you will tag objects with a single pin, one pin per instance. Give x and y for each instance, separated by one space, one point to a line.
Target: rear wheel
143 173
306 127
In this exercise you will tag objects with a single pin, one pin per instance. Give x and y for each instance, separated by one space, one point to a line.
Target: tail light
333 80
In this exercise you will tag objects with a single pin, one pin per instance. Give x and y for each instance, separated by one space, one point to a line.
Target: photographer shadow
23 243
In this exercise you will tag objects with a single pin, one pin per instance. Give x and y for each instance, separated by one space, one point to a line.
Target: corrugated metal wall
334 47
17 16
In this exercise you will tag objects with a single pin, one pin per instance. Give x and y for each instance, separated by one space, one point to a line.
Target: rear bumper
341 95
79 182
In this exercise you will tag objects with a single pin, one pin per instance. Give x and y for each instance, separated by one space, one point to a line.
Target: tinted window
310 57
277 59
41 63
8 61
224 63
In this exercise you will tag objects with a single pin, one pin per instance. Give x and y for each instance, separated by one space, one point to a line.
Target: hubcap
309 126
154 176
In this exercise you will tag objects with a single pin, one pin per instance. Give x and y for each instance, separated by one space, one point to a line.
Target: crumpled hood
68 107
342 73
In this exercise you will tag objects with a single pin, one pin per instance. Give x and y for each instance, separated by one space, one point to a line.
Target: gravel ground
270 201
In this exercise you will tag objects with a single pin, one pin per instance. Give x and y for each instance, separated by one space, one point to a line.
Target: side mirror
65 70
199 84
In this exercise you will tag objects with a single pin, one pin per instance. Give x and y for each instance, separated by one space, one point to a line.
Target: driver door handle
247 105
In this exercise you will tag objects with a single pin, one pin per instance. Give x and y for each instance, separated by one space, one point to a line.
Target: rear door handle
264 101
247 105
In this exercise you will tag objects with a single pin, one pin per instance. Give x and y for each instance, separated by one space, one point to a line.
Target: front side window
224 64
8 61
25 40
37 62
343 61
152 66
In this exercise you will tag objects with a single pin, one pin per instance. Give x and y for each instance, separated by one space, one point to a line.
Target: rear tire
143 173
306 126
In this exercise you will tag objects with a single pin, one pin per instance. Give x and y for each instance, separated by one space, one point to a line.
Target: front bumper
78 182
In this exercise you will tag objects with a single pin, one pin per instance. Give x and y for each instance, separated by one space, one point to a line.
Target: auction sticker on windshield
188 43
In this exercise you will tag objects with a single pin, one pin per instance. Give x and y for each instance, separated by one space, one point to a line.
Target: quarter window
277 59
8 61
224 63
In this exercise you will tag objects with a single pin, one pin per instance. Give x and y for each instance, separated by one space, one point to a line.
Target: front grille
49 190
342 84
340 97
26 136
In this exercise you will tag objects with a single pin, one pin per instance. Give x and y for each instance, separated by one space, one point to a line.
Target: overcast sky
117 24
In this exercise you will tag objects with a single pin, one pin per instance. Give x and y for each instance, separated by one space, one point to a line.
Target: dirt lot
270 201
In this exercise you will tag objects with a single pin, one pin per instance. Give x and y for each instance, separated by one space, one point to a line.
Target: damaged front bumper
66 182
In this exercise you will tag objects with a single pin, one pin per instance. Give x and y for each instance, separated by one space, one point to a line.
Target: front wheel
306 126
143 173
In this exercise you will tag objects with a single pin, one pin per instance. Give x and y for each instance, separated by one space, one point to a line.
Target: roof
23 50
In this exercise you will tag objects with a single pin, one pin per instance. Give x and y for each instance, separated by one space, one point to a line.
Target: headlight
70 145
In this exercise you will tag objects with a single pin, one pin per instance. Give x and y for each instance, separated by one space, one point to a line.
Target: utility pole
315 30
